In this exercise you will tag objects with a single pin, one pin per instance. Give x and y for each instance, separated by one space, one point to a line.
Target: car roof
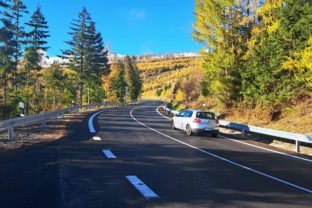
195 110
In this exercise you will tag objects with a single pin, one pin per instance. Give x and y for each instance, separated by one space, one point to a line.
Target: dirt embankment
35 133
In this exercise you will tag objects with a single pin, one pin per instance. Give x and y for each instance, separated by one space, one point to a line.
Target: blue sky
129 26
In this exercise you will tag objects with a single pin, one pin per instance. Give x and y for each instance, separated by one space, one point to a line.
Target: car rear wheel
188 130
172 125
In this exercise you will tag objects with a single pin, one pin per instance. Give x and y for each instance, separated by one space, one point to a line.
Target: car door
179 119
186 118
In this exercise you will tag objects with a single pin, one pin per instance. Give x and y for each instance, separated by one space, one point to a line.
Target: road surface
135 160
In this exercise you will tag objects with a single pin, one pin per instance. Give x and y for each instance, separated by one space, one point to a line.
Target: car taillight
196 120
217 122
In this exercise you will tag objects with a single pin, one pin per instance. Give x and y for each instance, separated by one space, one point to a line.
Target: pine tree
223 27
56 83
6 52
133 79
96 52
36 40
87 55
97 63
283 29
119 84
115 84
14 15
36 47
296 32
77 53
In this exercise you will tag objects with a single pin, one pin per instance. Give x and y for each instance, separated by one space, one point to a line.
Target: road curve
136 160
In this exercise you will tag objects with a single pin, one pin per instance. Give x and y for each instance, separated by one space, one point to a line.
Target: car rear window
205 115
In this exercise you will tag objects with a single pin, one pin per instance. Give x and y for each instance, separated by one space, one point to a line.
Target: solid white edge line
252 145
109 154
142 188
263 148
90 122
222 158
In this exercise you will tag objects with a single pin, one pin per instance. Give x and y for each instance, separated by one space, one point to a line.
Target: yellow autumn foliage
301 63
273 27
180 96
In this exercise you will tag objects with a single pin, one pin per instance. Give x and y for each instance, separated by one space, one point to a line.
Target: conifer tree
133 79
55 84
224 27
36 47
78 50
119 84
115 83
14 15
6 51
97 63
87 55
36 40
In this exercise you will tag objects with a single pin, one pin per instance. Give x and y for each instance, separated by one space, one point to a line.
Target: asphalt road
181 171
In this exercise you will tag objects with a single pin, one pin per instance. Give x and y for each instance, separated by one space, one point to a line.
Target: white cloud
137 14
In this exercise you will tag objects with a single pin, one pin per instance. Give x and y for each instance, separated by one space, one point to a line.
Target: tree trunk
4 98
80 92
88 96
54 98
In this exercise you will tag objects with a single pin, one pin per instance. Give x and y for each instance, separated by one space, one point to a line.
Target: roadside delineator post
297 146
10 133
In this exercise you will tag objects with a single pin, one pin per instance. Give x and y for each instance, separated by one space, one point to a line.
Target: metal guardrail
10 124
171 111
270 132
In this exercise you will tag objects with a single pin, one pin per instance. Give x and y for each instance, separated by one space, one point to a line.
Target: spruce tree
14 15
6 52
36 47
119 83
78 50
36 40
97 63
96 52
87 56
133 79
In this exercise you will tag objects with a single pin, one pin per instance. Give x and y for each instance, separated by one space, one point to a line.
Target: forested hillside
172 79
257 57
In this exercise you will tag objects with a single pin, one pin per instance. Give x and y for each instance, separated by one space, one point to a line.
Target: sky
128 27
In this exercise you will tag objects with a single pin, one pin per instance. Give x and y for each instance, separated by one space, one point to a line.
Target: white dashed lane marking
142 188
109 154
95 138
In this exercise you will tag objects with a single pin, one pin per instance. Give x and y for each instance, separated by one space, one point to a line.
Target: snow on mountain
112 57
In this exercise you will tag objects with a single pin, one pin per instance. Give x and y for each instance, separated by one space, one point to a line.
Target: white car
197 122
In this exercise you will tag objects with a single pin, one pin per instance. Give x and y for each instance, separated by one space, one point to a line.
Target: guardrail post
297 146
55 119
10 133
62 115
44 123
